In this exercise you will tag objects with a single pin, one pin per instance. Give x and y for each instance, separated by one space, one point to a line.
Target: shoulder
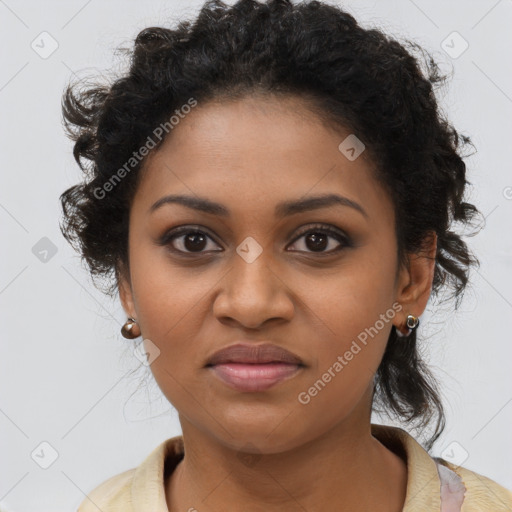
139 488
110 494
482 493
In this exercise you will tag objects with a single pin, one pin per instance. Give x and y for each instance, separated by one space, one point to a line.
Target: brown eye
188 240
316 241
194 241
320 240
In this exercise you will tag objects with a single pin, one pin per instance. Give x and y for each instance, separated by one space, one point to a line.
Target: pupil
197 241
319 241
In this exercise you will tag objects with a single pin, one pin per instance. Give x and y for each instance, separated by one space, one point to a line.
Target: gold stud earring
130 329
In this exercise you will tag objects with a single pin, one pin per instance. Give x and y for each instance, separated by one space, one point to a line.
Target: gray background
69 379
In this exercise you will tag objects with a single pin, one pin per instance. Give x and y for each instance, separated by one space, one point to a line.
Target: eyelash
170 236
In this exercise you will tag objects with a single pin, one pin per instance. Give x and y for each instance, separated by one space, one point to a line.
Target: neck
346 469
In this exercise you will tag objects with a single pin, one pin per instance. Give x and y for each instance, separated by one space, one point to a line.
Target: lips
254 377
251 368
248 353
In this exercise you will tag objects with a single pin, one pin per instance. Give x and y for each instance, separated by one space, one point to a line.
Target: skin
249 155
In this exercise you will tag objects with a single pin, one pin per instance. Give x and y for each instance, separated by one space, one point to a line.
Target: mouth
254 377
246 366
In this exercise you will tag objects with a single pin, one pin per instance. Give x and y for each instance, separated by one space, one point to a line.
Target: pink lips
254 377
250 367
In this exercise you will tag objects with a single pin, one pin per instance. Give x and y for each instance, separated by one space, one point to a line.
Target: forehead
253 153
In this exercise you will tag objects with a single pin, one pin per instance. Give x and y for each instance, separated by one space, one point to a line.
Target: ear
125 291
415 282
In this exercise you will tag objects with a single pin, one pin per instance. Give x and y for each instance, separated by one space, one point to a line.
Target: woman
272 188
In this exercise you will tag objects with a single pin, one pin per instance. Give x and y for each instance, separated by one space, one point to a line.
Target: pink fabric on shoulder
452 489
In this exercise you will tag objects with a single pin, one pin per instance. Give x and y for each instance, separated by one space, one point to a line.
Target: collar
423 483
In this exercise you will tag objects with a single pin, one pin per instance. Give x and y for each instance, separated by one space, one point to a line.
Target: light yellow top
142 489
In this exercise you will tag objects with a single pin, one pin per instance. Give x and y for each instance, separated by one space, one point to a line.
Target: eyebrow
283 209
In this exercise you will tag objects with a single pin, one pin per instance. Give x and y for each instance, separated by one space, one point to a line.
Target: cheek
170 304
351 316
348 302
166 295
344 368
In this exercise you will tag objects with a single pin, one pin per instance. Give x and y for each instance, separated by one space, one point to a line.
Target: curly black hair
352 77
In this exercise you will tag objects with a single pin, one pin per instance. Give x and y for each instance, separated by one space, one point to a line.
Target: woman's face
259 273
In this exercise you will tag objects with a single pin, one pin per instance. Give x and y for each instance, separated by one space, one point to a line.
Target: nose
252 293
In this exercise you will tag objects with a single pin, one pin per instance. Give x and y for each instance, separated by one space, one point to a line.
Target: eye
187 240
191 239
317 239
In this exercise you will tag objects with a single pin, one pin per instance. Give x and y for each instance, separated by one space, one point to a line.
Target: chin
257 436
